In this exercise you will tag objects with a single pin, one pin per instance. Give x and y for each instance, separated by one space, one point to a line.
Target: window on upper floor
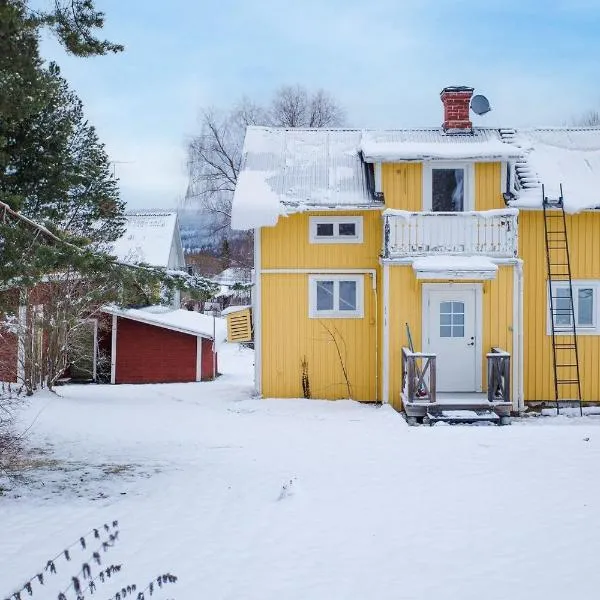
447 187
335 296
585 307
336 230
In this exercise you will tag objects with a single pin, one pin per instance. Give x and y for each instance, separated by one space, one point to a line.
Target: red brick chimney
456 108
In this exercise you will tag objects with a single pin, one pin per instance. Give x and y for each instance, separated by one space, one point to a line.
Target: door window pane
452 319
448 190
347 229
347 295
585 307
324 295
445 307
325 229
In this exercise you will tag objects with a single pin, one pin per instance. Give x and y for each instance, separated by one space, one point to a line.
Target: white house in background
152 237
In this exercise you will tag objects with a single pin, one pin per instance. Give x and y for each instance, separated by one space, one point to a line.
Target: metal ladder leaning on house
565 357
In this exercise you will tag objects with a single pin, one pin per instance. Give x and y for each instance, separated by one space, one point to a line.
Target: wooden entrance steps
462 415
423 403
463 408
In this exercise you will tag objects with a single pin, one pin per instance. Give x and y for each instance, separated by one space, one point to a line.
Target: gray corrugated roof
306 168
324 167
309 166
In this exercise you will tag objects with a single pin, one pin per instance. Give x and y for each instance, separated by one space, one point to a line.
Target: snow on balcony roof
148 238
180 320
555 156
433 144
457 267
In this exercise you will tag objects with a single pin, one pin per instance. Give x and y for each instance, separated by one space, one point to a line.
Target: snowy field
249 499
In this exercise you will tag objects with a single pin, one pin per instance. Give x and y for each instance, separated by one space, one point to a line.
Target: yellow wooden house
363 237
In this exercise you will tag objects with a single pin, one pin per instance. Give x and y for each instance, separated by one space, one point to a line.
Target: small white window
447 187
335 296
585 307
336 230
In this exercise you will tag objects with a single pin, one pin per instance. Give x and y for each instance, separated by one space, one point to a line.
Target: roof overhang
454 267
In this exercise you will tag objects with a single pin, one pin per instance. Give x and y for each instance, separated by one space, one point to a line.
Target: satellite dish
480 105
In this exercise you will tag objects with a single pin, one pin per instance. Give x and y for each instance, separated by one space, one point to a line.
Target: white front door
450 323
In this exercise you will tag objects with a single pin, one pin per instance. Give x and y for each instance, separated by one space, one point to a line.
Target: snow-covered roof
287 170
558 156
150 237
293 170
403 145
459 267
233 309
183 321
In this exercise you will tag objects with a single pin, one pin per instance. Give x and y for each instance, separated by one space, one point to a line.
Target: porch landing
456 407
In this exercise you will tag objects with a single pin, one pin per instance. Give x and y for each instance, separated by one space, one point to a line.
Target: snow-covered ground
292 499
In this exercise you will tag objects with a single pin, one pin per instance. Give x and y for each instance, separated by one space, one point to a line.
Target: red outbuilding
158 344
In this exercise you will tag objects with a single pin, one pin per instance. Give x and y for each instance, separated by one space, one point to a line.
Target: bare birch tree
215 155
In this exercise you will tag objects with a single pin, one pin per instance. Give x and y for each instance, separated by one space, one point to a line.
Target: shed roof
183 321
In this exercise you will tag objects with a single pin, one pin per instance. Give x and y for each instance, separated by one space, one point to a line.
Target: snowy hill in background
197 229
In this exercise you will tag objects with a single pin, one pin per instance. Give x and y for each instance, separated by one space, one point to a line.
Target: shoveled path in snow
374 509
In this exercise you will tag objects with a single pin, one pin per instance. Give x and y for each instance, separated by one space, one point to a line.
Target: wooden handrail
418 381
498 375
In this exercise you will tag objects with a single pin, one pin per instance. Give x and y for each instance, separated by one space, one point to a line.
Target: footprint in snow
287 489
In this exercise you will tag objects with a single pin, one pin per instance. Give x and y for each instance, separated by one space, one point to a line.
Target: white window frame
577 284
336 238
336 313
469 200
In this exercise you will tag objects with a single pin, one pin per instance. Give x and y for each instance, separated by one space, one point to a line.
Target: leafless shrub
91 573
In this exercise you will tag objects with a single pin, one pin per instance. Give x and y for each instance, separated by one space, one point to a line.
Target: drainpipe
520 367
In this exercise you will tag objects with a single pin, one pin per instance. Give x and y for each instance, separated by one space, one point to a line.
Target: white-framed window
585 305
336 296
335 230
448 186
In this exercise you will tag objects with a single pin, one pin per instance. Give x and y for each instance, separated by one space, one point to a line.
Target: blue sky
384 60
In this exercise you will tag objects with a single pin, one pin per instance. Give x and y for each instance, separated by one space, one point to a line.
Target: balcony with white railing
490 233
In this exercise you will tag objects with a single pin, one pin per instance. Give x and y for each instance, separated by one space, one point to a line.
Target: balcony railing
490 233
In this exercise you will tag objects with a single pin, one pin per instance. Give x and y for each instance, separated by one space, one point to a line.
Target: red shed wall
149 354
8 356
208 368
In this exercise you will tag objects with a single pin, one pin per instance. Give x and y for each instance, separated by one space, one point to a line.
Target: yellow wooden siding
290 336
584 244
488 192
239 326
405 306
402 185
286 245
